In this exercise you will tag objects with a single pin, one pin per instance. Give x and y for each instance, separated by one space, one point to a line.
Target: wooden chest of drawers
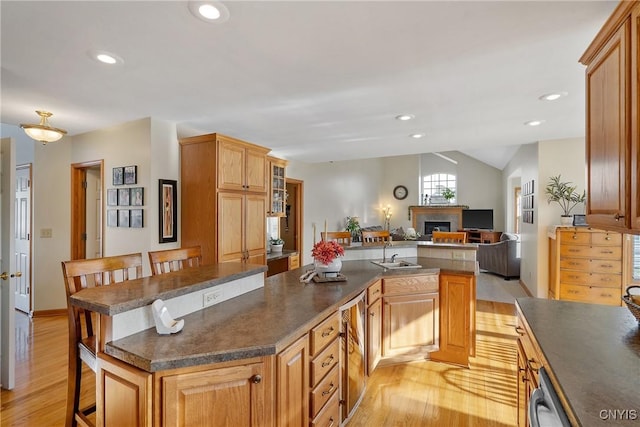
585 265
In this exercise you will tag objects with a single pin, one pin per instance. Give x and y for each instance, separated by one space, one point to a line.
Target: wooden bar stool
342 237
174 259
375 238
80 274
449 237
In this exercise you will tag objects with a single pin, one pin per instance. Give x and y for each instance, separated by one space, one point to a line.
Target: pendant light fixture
43 132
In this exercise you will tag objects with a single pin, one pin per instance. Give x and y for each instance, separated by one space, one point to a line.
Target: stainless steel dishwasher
353 365
545 409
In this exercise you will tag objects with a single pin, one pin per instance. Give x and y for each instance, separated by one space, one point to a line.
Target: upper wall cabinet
277 189
612 133
241 166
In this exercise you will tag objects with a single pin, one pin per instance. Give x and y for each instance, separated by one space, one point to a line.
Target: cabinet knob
372 314
327 332
617 216
256 379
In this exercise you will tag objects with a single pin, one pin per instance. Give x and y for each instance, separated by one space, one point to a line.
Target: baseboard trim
524 288
48 313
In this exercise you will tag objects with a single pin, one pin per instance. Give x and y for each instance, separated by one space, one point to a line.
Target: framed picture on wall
112 217
130 175
118 176
112 197
135 218
137 196
123 218
123 197
168 204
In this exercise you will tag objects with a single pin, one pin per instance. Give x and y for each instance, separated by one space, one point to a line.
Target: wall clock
400 192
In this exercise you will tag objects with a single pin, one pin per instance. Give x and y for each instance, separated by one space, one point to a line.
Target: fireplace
430 226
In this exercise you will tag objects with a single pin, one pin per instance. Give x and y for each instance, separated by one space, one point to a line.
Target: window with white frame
434 185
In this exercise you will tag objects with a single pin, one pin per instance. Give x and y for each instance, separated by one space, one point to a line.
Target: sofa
502 257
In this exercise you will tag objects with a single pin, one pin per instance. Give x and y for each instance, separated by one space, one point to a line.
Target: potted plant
276 244
353 226
448 194
565 195
326 255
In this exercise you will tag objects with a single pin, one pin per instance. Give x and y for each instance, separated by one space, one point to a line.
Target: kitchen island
592 355
249 334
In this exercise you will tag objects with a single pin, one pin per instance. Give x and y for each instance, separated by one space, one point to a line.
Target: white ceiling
314 80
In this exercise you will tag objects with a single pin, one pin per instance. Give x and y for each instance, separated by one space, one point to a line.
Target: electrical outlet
46 233
213 297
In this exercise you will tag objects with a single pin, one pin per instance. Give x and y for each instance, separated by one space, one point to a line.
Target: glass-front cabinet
278 189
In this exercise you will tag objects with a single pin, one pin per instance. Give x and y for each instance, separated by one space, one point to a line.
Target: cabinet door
374 335
230 226
233 396
292 407
634 199
455 319
255 230
607 138
256 171
523 395
231 165
411 324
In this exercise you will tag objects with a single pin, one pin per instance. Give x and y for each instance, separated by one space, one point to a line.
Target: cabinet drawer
575 238
411 284
324 333
294 261
584 278
533 360
594 265
374 292
591 294
601 252
606 239
324 361
324 391
329 416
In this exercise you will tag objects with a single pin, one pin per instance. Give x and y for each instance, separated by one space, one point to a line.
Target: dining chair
174 259
375 238
81 274
342 237
449 237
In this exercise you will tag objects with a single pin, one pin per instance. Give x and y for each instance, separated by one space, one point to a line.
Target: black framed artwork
168 204
123 218
124 197
118 176
112 197
112 218
130 175
135 218
137 196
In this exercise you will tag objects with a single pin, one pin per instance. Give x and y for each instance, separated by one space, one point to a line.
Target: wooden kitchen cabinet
324 370
585 265
528 362
374 326
236 395
277 187
410 317
223 186
613 122
292 388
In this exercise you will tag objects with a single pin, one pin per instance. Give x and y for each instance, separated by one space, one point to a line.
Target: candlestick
325 228
314 233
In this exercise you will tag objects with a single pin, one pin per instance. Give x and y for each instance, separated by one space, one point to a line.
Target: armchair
502 257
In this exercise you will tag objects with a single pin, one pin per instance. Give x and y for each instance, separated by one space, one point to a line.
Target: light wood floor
417 394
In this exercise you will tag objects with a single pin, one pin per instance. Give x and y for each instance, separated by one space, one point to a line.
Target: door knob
5 275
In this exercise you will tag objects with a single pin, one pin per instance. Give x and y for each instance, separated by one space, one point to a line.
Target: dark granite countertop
279 255
261 322
593 353
415 243
111 300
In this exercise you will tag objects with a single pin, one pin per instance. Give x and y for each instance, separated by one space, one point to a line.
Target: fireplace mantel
452 213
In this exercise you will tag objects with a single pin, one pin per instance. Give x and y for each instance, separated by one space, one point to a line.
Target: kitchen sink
396 264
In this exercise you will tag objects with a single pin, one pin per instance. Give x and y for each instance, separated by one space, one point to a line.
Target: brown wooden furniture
449 237
83 343
174 259
342 237
224 198
325 372
613 122
529 363
480 236
277 186
375 238
374 325
585 265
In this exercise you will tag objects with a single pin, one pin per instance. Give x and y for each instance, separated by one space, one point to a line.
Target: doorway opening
291 224
87 180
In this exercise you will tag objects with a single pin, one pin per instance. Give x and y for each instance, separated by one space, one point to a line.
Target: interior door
7 263
23 238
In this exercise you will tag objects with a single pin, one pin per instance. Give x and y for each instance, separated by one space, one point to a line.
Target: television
477 219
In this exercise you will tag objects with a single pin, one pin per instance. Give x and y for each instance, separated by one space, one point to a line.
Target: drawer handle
372 314
606 295
574 250
574 263
331 423
331 388
617 216
377 291
256 379
327 332
575 237
328 361
519 330
529 364
607 238
573 292
607 252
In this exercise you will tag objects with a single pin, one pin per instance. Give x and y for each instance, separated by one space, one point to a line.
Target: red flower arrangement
326 251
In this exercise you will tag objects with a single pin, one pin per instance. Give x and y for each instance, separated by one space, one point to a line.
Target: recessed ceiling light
417 135
405 117
105 57
552 96
534 122
209 11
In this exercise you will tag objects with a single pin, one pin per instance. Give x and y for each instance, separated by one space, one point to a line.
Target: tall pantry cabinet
224 198
613 122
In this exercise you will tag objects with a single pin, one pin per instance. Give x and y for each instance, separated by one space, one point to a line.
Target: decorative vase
328 270
276 248
566 219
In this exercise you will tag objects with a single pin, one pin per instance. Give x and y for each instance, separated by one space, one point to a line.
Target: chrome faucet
393 257
384 251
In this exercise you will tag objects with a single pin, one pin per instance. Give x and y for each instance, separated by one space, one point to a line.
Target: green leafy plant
353 226
276 241
564 194
448 194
